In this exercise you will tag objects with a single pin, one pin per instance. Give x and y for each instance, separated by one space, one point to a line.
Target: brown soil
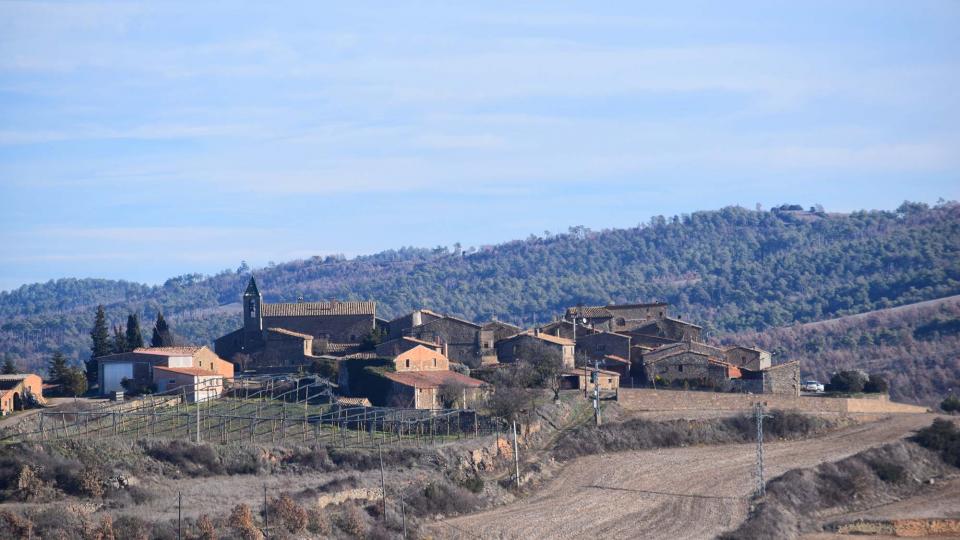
670 493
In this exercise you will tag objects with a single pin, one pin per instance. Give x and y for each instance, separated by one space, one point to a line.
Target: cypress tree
9 368
161 333
119 340
100 335
57 368
134 336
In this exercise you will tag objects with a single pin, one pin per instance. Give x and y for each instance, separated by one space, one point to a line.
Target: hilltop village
430 360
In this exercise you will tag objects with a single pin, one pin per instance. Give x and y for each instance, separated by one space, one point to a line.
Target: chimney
446 350
536 332
417 318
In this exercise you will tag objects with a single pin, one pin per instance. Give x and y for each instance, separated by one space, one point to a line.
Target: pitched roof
616 358
590 312
545 337
252 287
291 333
15 376
307 309
432 379
580 371
167 351
189 371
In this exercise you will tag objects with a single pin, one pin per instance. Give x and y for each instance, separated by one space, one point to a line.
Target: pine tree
57 368
134 336
161 333
119 340
9 368
100 335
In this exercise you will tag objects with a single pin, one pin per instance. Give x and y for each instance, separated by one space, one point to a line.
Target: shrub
892 473
473 483
241 521
876 384
950 404
205 528
442 497
941 436
852 381
290 515
352 521
318 522
132 528
13 525
192 459
104 531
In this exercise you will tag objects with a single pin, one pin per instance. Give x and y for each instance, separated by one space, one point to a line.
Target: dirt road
670 493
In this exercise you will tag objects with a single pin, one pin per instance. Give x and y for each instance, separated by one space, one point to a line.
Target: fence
266 409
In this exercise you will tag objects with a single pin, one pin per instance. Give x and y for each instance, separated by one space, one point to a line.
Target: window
680 368
434 362
408 362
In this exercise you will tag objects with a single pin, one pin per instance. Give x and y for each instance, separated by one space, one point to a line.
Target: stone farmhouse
137 367
419 378
292 334
670 350
19 391
536 342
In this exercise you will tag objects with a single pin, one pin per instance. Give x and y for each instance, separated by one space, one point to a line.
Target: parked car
812 386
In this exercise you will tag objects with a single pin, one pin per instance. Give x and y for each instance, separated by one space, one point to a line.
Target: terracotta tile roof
188 371
15 377
307 309
286 332
630 306
683 322
432 379
616 358
167 351
430 344
590 312
354 401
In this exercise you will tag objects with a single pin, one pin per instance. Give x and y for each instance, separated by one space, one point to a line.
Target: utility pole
516 455
759 416
596 391
196 398
403 515
266 512
179 515
383 485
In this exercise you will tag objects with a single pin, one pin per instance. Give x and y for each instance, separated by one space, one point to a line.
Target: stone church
289 334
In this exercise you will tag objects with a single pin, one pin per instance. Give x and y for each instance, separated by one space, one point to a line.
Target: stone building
459 338
197 385
399 345
669 328
516 347
748 358
137 366
401 325
779 379
271 332
19 391
597 345
618 317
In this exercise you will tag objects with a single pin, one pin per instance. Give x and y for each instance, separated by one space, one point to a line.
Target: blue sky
142 141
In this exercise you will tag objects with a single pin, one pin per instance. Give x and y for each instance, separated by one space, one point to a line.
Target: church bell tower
252 318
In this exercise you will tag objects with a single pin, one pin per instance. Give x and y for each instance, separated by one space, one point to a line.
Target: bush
241 521
941 436
891 473
852 381
288 513
352 521
132 528
442 497
192 459
950 404
473 483
876 384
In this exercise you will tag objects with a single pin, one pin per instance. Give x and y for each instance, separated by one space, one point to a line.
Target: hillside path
696 492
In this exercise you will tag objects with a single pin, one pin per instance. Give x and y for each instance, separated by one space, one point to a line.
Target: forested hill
730 270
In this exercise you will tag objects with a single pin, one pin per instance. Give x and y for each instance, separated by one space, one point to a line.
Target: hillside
732 270
916 346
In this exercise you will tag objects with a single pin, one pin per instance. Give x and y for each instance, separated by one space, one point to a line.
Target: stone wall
600 344
677 400
461 338
338 328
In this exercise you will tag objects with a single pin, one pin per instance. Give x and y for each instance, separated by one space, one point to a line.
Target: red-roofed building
136 366
196 384
536 342
434 389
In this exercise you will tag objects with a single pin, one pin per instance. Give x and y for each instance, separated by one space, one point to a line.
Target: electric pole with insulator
759 415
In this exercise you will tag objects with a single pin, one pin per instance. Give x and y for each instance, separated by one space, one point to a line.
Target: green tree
9 367
119 340
57 368
100 335
162 337
74 382
134 335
